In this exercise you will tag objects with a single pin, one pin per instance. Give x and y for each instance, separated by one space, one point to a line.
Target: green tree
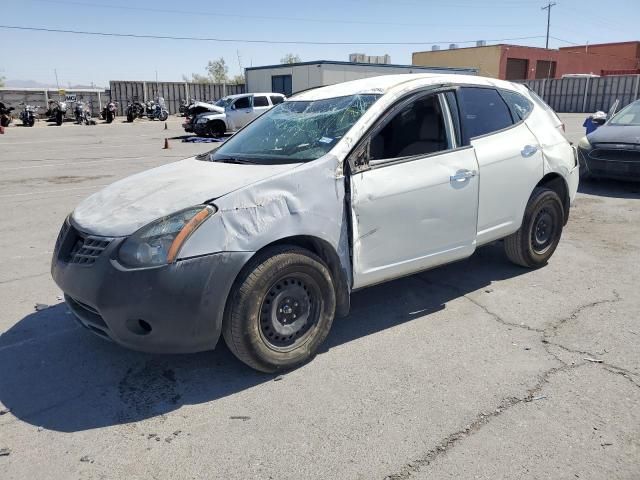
291 58
218 70
238 80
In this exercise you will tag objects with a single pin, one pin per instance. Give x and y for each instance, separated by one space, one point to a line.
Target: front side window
417 129
242 102
276 99
629 115
260 102
295 131
519 104
483 111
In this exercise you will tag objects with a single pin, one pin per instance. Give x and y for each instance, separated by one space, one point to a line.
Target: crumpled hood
123 207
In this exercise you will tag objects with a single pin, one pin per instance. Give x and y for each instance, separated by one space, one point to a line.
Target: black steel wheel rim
289 312
543 231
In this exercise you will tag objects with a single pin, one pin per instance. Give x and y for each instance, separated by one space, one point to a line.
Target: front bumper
618 164
176 308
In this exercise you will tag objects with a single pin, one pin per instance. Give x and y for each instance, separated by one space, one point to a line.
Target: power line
240 40
262 17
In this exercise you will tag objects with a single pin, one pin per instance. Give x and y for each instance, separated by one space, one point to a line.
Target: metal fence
39 97
586 95
172 92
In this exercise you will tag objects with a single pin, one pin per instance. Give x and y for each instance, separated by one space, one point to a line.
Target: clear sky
80 59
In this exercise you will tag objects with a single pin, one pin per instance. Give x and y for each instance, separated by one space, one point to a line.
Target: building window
281 84
517 69
545 69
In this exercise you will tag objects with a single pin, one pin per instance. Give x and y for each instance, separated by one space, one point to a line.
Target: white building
295 77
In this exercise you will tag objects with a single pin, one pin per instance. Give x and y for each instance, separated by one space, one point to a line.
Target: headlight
202 120
159 242
584 143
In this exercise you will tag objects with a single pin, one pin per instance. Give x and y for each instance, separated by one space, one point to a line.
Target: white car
263 240
231 113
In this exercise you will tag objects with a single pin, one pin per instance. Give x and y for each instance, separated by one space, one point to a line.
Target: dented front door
412 215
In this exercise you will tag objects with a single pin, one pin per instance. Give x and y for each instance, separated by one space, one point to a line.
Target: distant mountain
34 84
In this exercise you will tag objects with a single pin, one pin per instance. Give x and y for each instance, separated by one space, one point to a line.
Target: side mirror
599 121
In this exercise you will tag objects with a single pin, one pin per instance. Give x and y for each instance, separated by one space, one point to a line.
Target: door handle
462 176
529 150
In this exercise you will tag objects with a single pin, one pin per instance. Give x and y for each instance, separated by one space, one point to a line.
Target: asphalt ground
479 369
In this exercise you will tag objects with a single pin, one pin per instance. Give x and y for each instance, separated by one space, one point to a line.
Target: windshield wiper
235 160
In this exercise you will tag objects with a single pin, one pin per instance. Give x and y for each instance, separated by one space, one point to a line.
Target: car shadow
58 376
610 188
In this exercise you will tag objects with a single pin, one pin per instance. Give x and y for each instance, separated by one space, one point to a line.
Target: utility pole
548 9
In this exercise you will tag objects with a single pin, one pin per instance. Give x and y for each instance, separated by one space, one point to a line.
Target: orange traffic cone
166 144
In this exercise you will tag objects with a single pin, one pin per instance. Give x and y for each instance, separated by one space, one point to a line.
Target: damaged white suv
339 188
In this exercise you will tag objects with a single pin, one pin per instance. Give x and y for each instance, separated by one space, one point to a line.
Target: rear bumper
622 166
176 308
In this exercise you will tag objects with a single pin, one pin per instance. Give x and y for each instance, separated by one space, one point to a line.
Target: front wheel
536 240
59 118
31 121
109 116
280 309
164 115
130 117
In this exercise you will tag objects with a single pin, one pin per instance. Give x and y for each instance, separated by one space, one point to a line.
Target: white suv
233 112
263 240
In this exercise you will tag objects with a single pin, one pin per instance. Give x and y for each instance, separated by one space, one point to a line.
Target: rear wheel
59 118
109 116
130 117
536 240
280 309
31 121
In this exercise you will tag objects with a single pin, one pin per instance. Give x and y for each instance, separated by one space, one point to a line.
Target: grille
615 155
87 249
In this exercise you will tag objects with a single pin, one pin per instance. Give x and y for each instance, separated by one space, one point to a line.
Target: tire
31 122
129 117
163 116
59 118
216 129
109 117
536 240
260 325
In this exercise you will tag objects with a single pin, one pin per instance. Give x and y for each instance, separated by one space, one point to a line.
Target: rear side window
483 111
520 106
260 102
276 99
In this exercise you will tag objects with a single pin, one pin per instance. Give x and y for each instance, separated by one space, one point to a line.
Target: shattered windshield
295 131
223 102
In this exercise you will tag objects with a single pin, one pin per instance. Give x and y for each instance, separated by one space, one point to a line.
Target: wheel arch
214 121
556 182
328 254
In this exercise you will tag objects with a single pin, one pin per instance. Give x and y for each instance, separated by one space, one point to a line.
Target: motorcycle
28 115
157 110
57 111
135 110
83 113
184 106
109 112
5 115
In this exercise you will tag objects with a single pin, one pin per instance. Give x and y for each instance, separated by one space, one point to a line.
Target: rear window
483 111
520 106
260 102
276 99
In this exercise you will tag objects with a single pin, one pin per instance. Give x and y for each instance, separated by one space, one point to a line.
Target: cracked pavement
479 369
